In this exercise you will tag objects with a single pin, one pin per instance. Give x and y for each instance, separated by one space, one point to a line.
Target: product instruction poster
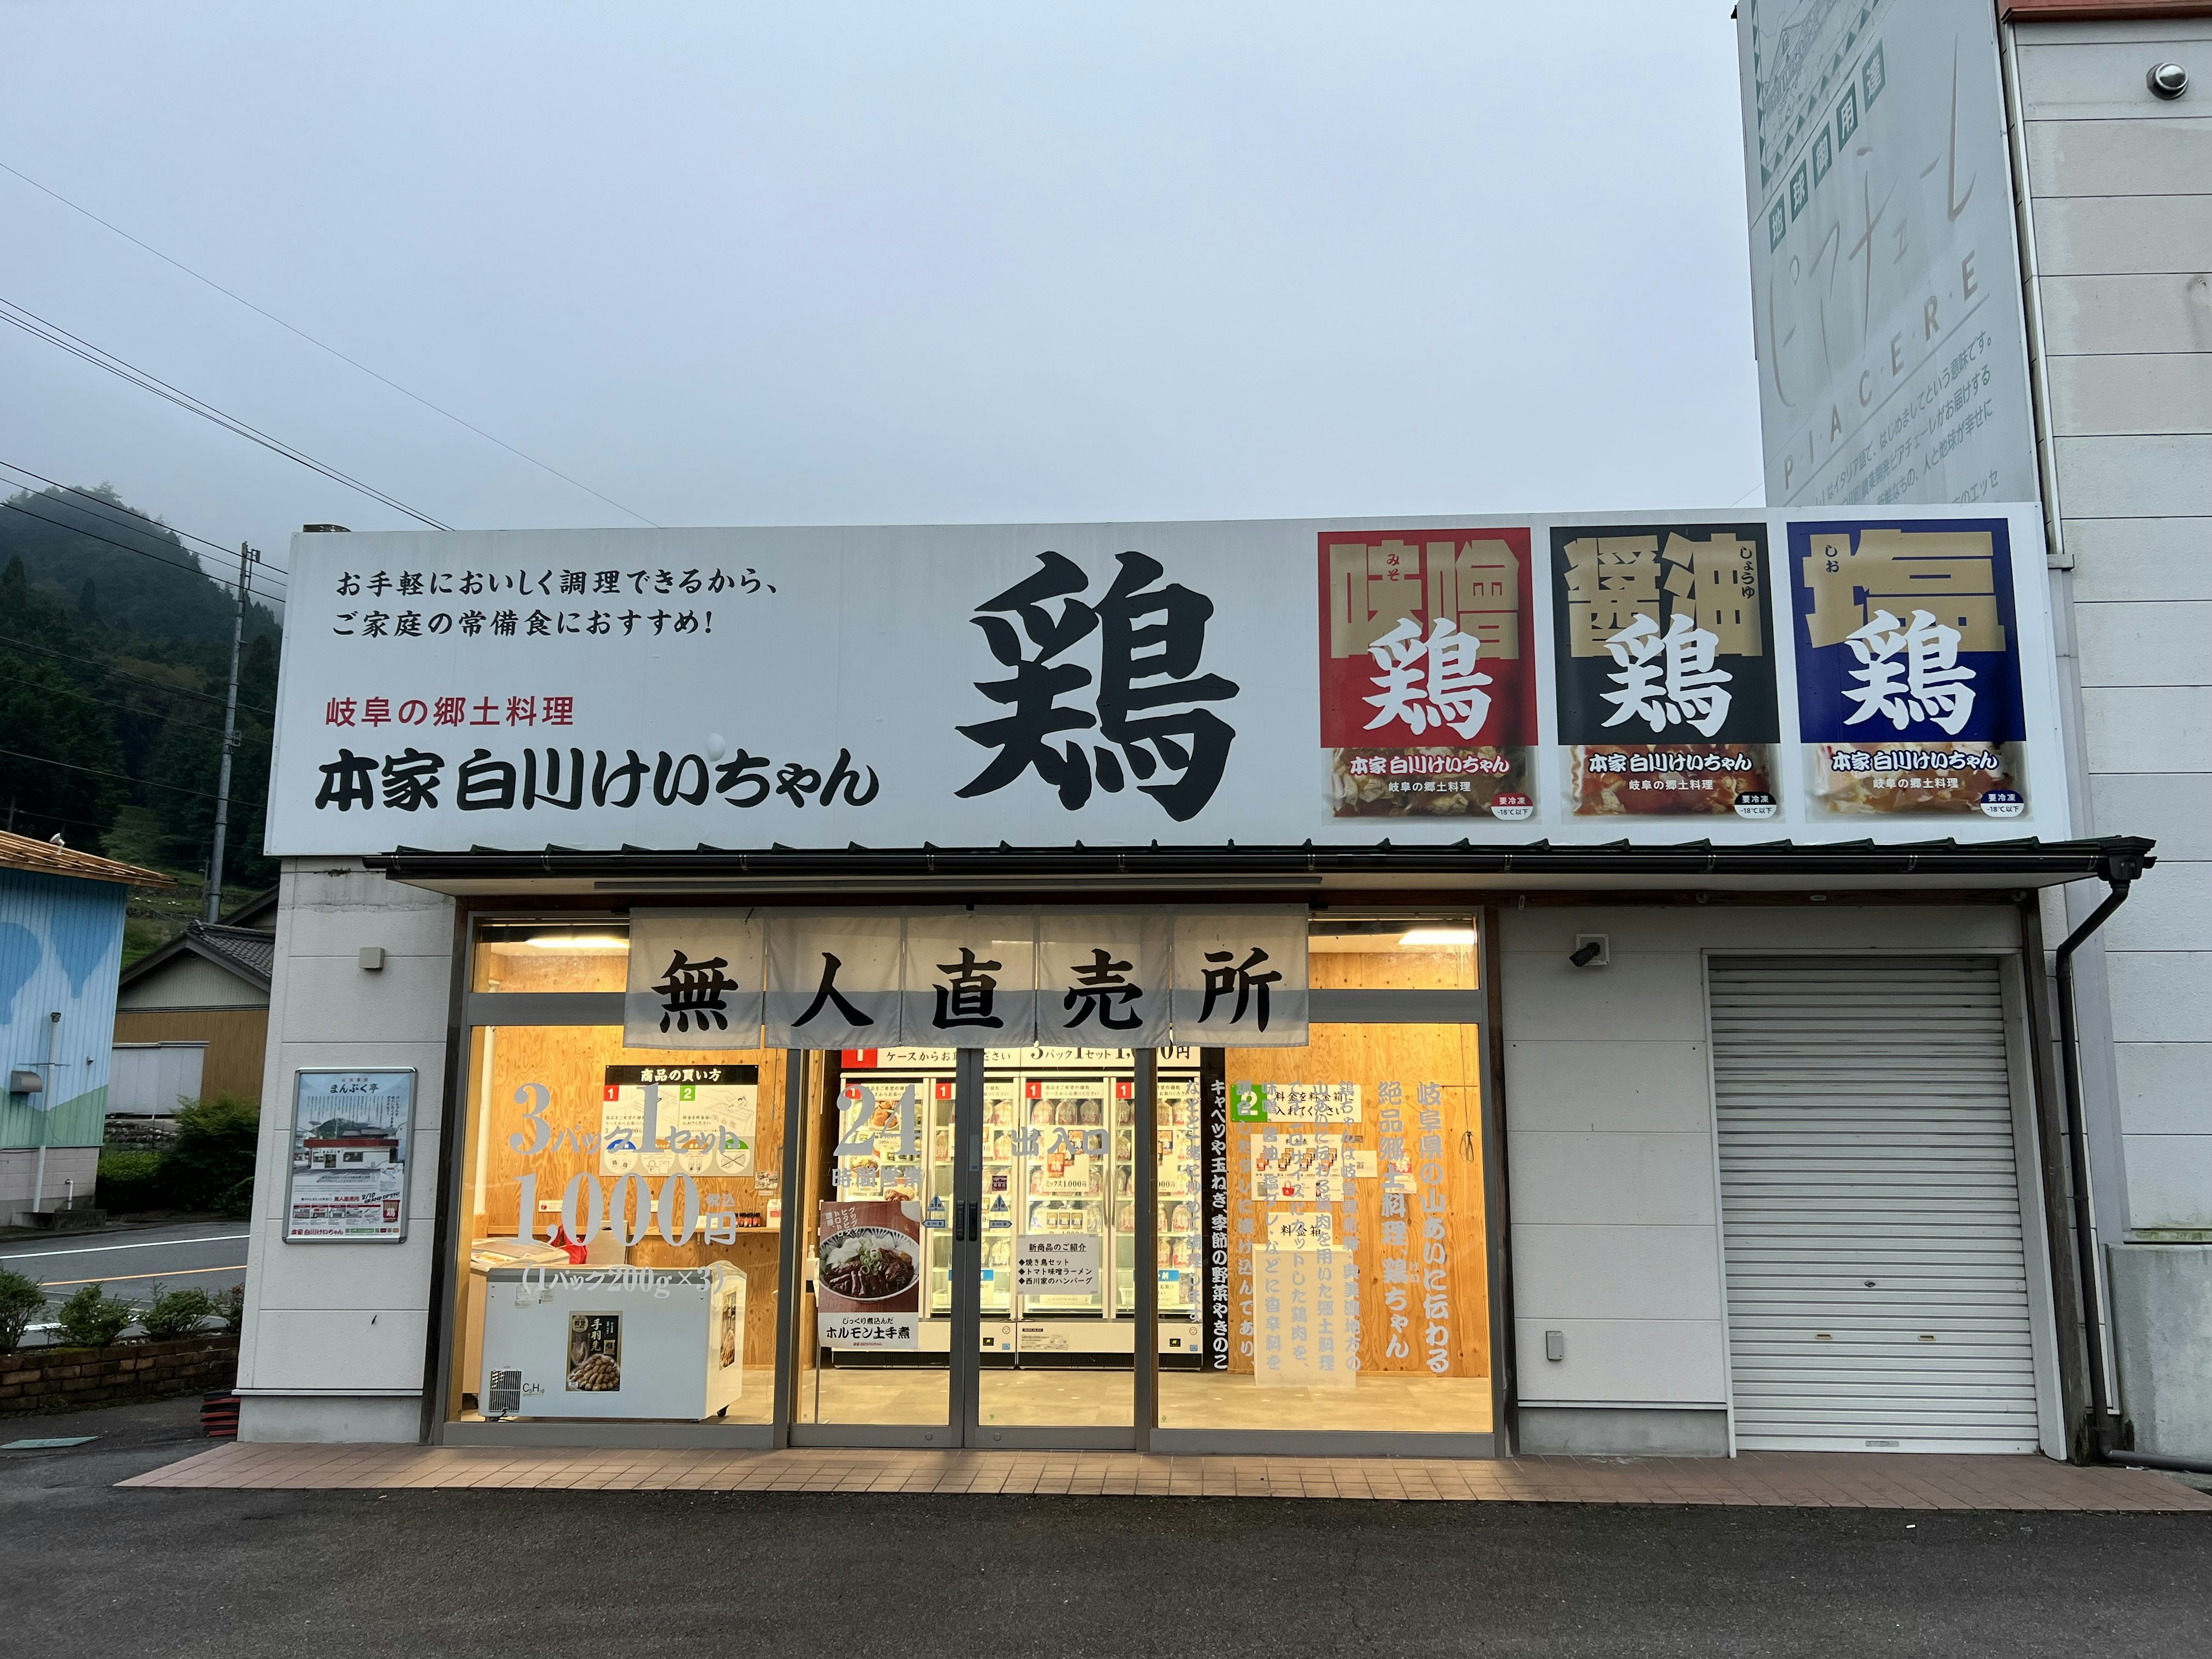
1570 678
350 1134
679 1120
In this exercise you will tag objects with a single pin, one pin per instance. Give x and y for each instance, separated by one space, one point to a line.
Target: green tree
64 772
209 1164
114 650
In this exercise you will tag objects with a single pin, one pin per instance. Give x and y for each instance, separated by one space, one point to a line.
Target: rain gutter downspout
2108 1432
2105 1432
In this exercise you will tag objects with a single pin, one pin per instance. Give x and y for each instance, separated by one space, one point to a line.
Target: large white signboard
1885 272
1729 676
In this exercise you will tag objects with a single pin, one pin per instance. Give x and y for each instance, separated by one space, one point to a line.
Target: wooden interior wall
1440 967
1370 1055
570 1061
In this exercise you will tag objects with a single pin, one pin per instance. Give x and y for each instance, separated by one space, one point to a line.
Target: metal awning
1774 866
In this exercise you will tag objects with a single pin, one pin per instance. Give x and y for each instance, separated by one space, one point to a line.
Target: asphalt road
134 1263
86 1569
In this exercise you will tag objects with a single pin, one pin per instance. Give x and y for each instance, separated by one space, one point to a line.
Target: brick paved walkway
1771 1479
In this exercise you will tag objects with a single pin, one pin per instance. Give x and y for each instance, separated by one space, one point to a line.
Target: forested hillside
115 647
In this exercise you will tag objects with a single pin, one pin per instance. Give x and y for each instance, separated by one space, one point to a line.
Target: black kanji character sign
1102 989
827 994
691 992
967 999
1150 643
1220 980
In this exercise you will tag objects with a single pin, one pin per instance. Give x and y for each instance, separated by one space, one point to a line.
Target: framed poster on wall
350 1134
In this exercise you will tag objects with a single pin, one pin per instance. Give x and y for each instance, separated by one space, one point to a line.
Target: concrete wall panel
1625 1362
2165 1088
1614 1273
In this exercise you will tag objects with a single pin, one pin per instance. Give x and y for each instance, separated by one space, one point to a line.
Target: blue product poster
1908 667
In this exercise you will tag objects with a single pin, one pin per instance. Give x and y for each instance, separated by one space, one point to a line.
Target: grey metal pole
229 742
47 1117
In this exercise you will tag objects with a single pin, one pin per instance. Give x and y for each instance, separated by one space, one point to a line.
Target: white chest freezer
485 1254
659 1343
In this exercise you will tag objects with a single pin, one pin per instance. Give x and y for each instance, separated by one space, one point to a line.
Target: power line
54 334
100 772
75 530
147 518
122 674
53 818
322 346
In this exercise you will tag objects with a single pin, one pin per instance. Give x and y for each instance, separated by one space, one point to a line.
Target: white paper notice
1057 1264
1301 1230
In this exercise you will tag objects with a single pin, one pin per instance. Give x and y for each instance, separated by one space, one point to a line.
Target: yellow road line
124 1279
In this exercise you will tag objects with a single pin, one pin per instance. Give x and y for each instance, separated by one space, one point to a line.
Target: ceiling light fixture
580 942
1438 936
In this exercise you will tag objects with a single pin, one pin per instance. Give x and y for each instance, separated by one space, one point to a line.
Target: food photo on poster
867 1275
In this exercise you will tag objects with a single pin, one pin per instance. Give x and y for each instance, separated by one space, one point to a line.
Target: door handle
967 1223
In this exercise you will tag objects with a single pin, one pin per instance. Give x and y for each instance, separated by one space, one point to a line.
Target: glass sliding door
1018 1182
1057 1276
876 1280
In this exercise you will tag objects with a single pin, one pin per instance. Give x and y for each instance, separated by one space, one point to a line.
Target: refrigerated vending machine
1060 1150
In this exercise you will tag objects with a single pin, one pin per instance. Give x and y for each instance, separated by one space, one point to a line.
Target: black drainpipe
2108 1434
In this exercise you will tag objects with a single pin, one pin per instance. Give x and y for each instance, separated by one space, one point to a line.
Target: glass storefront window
625 1221
1398 954
1358 1277
580 956
623 1209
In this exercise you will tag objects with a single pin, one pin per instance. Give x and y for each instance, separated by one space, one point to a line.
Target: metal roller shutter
1877 1283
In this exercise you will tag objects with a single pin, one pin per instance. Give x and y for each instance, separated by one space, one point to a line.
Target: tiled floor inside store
1771 1479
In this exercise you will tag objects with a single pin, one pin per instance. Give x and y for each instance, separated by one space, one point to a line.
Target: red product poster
1428 692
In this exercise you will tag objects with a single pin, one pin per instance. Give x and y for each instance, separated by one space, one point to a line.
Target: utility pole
247 559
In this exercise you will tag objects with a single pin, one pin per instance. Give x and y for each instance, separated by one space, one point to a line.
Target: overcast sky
822 263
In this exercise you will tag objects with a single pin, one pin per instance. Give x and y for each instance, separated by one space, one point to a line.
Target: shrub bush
21 1301
231 1304
209 1165
91 1320
177 1314
130 1179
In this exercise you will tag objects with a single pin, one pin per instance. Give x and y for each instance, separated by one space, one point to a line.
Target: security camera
2167 81
1591 950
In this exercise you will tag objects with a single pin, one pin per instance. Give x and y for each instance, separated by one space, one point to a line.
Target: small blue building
61 950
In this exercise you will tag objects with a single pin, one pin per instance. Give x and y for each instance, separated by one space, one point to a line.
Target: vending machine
1059 1152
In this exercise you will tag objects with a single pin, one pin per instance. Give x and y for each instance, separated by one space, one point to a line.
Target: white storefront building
1588 983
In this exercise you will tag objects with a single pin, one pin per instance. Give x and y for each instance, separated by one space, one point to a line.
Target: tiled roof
47 859
252 948
248 952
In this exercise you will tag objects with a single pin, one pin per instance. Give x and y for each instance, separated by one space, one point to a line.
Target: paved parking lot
91 1567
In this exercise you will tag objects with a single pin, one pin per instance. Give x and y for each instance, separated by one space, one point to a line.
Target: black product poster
1213 1190
1665 668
